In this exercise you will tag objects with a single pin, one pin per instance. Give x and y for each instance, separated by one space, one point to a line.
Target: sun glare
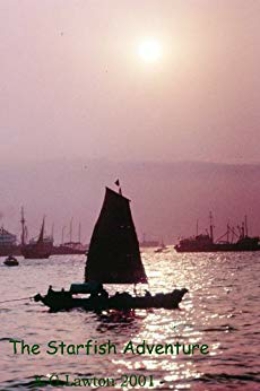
150 50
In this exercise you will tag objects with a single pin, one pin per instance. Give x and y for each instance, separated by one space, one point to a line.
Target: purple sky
72 84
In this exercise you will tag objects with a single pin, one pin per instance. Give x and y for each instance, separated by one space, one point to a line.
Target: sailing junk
114 256
36 249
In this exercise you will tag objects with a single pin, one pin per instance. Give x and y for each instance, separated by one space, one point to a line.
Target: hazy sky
73 84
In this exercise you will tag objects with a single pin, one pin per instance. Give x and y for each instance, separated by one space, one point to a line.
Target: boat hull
36 251
64 301
11 263
216 248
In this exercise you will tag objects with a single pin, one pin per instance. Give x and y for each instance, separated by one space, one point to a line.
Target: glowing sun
150 50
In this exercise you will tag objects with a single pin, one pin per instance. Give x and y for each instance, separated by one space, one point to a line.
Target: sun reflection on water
220 310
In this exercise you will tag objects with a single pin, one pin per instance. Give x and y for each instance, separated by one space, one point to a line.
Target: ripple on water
221 310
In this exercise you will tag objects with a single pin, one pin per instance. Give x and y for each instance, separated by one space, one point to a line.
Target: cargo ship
205 242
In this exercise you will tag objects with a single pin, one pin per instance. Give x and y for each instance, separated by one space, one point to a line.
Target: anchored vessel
206 243
69 248
40 248
113 258
11 261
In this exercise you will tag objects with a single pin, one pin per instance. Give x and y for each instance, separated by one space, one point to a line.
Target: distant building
6 238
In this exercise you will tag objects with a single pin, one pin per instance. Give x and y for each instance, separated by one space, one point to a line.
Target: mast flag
117 183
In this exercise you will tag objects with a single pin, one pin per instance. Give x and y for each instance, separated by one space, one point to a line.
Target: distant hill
167 198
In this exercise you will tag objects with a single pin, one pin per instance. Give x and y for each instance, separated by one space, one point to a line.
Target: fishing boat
113 258
40 248
11 261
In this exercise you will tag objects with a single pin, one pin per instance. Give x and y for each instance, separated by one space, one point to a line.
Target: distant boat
113 258
40 248
149 243
69 248
11 261
161 248
206 243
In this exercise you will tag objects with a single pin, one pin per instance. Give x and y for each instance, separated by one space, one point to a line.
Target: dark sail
37 249
41 236
114 255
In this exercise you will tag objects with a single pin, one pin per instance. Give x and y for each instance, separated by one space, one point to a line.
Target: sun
150 50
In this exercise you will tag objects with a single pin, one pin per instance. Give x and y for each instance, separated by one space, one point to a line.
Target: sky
80 106
73 85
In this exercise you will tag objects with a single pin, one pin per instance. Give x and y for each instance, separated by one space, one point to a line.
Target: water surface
220 310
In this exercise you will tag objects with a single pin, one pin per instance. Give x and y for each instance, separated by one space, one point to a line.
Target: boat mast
239 230
211 227
243 230
228 231
52 231
23 235
117 183
62 234
79 233
246 226
71 221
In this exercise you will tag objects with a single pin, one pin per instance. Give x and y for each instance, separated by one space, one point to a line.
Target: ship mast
52 232
71 228
197 227
246 226
228 232
211 227
23 235
62 234
243 230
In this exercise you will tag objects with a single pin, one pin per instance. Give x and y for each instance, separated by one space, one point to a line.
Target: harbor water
221 310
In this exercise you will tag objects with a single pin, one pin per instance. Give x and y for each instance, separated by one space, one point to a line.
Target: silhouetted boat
161 248
11 261
69 249
113 258
206 243
40 248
